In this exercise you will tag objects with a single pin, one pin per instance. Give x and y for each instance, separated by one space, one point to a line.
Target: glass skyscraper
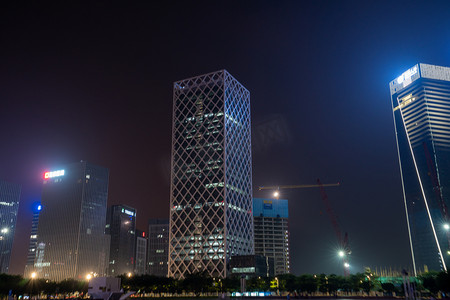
158 247
71 240
211 188
121 226
32 247
421 107
9 206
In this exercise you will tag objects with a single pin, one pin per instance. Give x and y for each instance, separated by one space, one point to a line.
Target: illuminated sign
128 212
52 174
405 78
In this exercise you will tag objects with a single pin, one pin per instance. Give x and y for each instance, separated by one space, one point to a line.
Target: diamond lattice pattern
210 205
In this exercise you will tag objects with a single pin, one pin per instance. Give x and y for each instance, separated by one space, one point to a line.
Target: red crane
344 251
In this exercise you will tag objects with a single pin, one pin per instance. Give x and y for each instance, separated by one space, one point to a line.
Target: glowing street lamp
276 194
446 226
33 275
346 265
88 276
129 274
341 253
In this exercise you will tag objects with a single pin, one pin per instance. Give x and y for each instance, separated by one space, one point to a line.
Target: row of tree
198 283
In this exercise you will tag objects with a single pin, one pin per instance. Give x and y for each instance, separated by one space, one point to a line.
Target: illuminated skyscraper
140 261
9 205
121 226
211 190
32 246
71 238
158 247
421 107
271 219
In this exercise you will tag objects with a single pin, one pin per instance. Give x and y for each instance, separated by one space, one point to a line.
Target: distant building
32 246
141 253
211 188
271 221
252 266
158 247
71 240
421 108
9 206
121 226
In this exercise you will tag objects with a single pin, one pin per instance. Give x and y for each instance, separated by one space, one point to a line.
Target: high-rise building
271 220
32 246
141 253
211 188
158 247
121 226
421 107
71 232
9 206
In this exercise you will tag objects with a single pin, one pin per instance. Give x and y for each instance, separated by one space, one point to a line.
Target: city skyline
95 83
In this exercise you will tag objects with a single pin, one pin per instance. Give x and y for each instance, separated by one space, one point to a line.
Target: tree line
432 283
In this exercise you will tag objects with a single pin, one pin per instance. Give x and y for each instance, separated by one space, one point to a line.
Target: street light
276 194
347 265
129 274
341 253
4 230
33 275
446 226
88 276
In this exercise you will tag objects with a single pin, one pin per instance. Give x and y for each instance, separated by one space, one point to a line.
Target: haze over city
93 82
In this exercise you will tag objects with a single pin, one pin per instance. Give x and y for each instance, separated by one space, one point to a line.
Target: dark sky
93 81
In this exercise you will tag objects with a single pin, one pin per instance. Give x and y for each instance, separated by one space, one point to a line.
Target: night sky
92 80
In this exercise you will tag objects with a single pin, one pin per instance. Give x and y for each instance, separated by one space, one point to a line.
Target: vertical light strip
404 194
423 192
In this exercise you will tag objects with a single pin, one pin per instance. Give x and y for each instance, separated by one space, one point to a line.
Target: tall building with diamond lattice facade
211 188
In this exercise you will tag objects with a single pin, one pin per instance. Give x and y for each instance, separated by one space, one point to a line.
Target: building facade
32 246
140 265
71 240
421 108
271 221
9 206
211 185
158 247
121 227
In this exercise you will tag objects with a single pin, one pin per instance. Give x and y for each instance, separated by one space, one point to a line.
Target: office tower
9 206
121 226
141 253
211 188
71 231
421 108
271 220
158 247
32 246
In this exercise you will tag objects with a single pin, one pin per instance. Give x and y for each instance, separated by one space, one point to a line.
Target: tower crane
344 251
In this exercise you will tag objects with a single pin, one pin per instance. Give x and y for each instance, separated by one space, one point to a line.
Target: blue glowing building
271 227
32 246
421 108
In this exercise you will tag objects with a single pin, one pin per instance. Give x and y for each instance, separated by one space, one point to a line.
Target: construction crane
344 251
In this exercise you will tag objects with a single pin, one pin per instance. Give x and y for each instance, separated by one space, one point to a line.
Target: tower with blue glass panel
421 108
271 221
